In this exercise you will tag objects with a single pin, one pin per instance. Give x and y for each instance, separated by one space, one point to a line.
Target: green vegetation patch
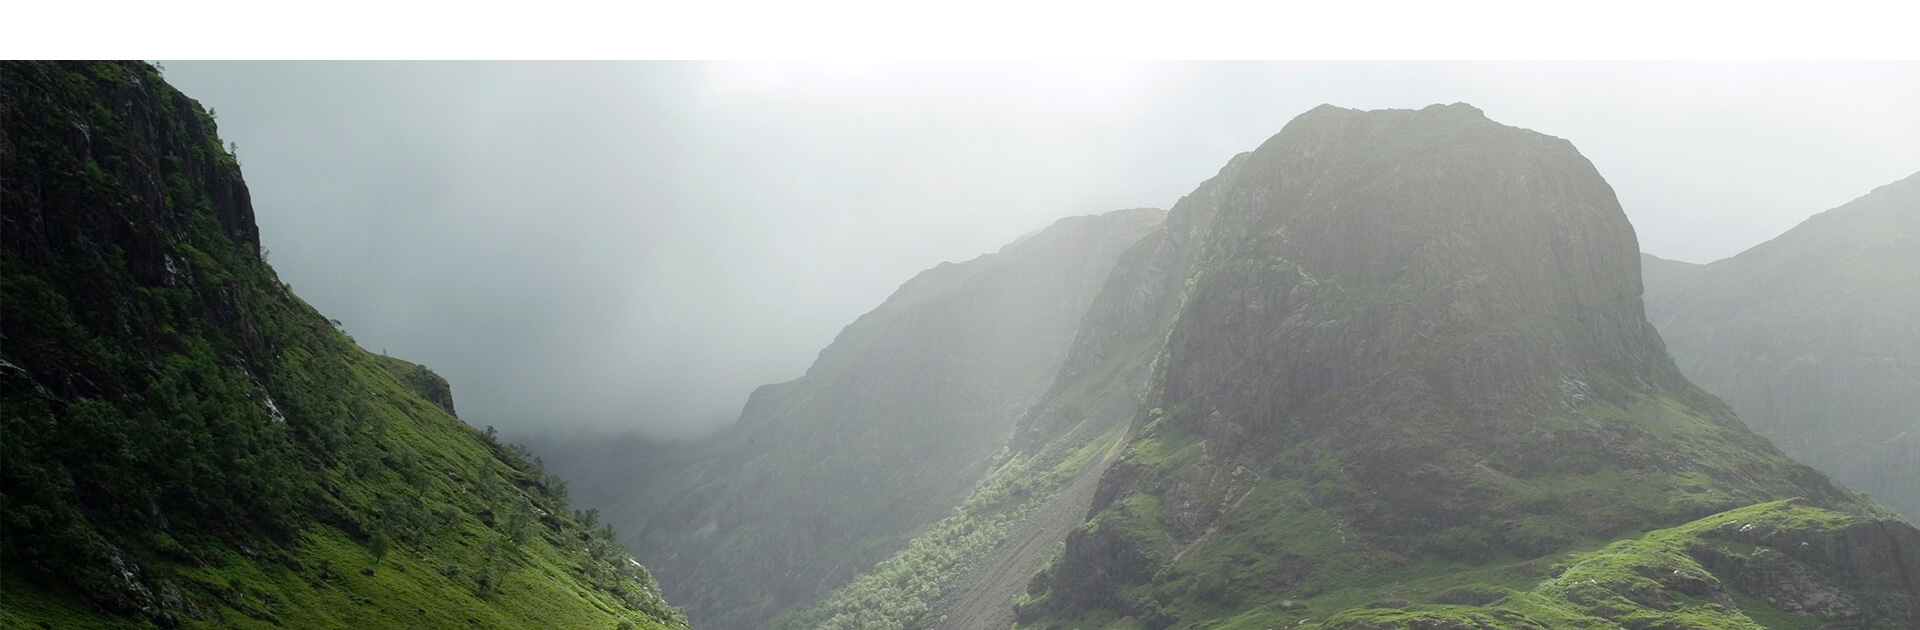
1280 569
898 592
184 442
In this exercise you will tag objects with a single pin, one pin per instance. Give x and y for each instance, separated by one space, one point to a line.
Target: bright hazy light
639 245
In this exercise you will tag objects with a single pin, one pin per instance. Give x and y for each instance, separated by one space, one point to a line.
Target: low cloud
637 246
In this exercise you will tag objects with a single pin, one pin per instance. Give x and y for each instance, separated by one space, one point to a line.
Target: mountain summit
1398 344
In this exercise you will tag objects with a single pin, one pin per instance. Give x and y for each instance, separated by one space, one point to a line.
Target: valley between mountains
1401 369
1392 369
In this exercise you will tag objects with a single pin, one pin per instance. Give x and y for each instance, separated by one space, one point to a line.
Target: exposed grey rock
1411 314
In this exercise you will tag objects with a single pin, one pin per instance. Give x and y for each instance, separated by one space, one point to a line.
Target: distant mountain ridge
888 430
1814 338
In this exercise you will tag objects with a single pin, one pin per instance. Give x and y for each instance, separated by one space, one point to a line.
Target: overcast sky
638 246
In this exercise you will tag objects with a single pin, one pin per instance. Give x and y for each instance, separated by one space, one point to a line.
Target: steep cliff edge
187 443
1399 345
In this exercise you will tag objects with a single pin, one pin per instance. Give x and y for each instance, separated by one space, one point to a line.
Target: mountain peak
1447 226
1420 329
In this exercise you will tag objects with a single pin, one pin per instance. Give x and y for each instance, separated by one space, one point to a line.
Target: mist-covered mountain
1390 370
894 423
964 570
186 443
1407 382
1814 338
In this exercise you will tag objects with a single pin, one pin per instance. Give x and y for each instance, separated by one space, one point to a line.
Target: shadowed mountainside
184 442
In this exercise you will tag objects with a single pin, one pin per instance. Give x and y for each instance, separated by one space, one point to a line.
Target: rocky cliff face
1814 338
183 441
889 429
1328 268
1393 339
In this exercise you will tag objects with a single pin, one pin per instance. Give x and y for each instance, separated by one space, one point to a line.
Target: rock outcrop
1392 337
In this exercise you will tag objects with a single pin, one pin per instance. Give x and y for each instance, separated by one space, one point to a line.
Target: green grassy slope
1777 566
1280 552
900 592
187 443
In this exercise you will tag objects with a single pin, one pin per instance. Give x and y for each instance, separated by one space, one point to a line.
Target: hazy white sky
639 245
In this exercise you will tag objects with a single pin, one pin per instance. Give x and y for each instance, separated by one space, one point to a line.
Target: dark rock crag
1391 337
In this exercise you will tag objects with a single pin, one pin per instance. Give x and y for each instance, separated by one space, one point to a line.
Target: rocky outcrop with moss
184 442
1814 338
1399 345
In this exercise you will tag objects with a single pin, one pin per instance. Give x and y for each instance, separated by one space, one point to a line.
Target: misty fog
638 246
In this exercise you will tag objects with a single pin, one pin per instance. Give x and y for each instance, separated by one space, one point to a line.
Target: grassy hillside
1783 565
187 443
904 590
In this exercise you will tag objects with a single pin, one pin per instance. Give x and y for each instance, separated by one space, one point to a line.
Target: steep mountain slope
187 443
1814 338
894 423
961 572
1399 345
